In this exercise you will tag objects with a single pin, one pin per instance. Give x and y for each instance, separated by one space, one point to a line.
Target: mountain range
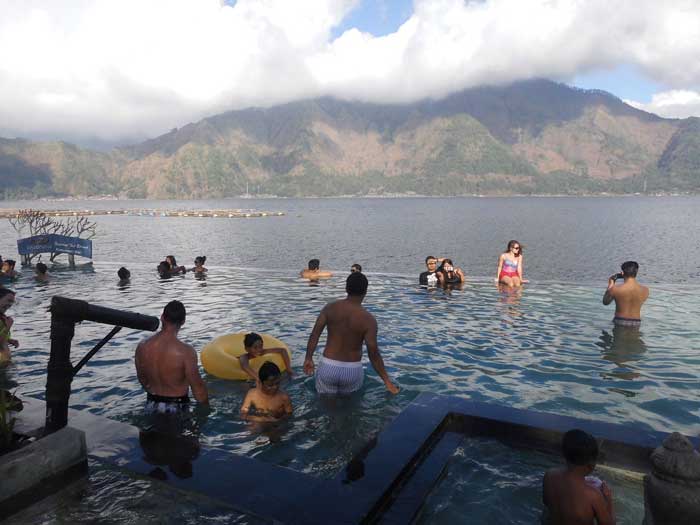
536 136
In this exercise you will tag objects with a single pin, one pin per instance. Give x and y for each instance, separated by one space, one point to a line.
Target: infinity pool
550 347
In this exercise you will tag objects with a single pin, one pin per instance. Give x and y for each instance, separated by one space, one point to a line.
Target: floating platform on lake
143 212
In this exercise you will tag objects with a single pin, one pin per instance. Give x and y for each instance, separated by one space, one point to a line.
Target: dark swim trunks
627 321
156 404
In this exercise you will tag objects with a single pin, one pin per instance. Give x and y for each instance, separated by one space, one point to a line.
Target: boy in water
267 401
253 345
42 272
570 494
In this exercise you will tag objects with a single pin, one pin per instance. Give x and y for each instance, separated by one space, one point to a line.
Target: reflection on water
176 452
624 346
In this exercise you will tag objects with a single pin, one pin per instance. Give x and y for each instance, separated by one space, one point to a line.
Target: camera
616 276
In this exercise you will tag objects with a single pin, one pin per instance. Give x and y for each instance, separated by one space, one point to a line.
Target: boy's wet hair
268 370
314 264
250 339
579 448
429 257
356 267
174 312
200 260
41 267
629 268
124 274
356 284
164 268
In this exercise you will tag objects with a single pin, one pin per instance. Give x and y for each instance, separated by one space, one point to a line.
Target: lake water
550 347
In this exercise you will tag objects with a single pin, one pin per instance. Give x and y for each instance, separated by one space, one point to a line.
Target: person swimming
510 265
174 268
199 264
253 345
448 274
267 401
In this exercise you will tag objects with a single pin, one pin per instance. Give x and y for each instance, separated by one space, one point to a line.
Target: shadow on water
623 346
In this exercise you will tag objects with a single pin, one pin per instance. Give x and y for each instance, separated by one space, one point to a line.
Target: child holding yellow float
253 345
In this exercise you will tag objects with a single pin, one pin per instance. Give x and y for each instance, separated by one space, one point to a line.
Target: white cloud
126 69
677 103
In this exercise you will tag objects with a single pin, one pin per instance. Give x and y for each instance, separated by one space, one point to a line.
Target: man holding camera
628 297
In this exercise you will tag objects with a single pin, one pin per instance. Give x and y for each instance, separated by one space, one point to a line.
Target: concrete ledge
41 468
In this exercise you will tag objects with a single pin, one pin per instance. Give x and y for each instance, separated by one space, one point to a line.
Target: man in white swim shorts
349 326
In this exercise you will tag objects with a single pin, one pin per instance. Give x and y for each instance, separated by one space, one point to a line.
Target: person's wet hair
170 259
428 258
250 339
268 370
41 268
445 262
356 268
200 260
125 274
314 264
513 243
579 448
11 263
6 291
630 268
174 313
356 284
164 268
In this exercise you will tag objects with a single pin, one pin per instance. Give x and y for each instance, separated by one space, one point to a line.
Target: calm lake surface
550 347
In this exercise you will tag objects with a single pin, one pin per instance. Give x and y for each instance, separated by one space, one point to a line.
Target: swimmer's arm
287 405
247 402
500 267
521 263
199 389
285 357
603 506
376 358
609 294
459 272
313 341
138 361
245 366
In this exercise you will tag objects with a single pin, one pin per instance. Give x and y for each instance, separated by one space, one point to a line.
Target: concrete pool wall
387 480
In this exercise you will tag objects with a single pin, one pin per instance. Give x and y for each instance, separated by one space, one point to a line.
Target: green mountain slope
535 136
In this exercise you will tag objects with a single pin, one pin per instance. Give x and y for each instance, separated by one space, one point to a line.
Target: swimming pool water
493 483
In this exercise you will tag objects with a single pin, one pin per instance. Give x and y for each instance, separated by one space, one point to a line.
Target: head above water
355 268
41 268
516 247
431 262
579 448
356 284
125 274
174 313
268 370
314 264
7 298
250 339
199 261
164 268
629 269
170 259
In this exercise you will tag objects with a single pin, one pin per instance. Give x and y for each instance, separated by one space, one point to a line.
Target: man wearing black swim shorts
167 367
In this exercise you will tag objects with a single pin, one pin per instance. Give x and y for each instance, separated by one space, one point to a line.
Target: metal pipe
65 313
97 347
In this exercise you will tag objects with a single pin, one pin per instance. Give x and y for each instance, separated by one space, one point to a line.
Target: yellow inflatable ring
220 357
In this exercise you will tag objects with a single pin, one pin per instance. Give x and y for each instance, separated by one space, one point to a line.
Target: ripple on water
549 347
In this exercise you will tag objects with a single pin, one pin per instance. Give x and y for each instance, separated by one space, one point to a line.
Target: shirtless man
628 297
167 367
349 325
570 494
314 271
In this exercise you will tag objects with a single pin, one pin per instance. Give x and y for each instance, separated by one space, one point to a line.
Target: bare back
349 324
168 367
629 298
571 502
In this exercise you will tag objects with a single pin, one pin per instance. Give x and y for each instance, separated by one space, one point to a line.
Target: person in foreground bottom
267 401
167 367
349 326
571 495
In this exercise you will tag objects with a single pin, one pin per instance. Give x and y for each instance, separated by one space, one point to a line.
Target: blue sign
53 243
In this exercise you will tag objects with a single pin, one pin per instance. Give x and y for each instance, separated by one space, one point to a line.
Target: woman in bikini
510 265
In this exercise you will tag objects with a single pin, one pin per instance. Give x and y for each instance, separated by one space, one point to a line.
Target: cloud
127 69
677 103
